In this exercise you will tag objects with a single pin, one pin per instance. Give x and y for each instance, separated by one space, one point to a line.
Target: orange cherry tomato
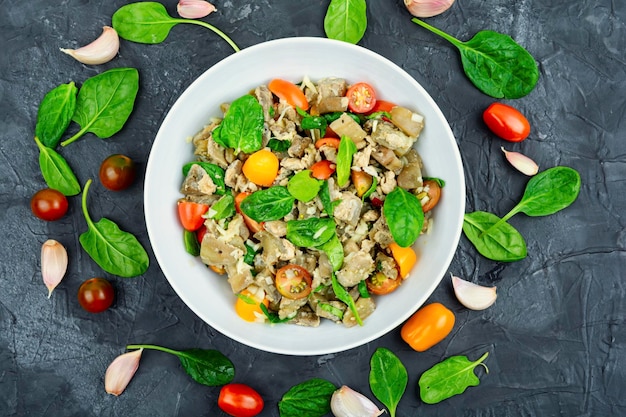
261 167
248 306
289 92
323 169
332 142
506 122
253 225
362 181
405 258
433 190
380 284
428 326
191 214
293 282
362 98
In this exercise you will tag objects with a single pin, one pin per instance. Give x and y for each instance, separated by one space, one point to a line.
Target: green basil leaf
105 102
143 22
242 126
494 63
269 204
346 20
222 208
56 171
192 246
449 378
303 187
310 233
334 250
346 151
388 378
214 171
404 216
207 367
493 238
114 250
344 296
55 114
278 145
307 399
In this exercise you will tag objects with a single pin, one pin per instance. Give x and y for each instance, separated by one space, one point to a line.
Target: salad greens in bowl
300 208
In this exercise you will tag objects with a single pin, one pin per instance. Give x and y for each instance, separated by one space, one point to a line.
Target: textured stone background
556 335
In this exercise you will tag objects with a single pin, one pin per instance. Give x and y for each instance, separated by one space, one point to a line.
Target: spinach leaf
346 20
55 114
206 366
269 204
114 250
215 172
327 203
307 399
363 291
222 208
148 22
192 246
440 182
310 233
278 145
56 171
105 102
388 378
271 316
404 215
242 126
370 190
494 63
344 296
346 151
249 256
331 117
449 378
314 122
493 238
334 250
303 187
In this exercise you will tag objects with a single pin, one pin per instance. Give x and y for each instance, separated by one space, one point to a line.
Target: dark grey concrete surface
556 335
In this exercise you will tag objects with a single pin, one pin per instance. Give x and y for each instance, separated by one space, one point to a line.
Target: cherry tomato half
252 225
382 105
49 204
240 400
428 326
362 98
96 295
117 172
327 141
323 169
433 189
293 282
380 284
190 214
289 92
506 122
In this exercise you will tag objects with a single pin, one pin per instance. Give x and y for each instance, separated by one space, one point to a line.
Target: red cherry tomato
49 204
96 295
289 92
326 141
117 172
240 400
190 214
362 98
506 122
323 169
293 282
382 105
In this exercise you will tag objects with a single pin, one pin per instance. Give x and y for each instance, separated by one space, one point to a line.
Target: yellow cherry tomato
404 257
261 167
428 326
248 306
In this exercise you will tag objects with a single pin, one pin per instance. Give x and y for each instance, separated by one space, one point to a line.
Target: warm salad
308 198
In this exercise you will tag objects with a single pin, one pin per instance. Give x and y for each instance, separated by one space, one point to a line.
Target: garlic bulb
53 264
194 9
99 51
473 296
427 8
121 371
521 162
346 402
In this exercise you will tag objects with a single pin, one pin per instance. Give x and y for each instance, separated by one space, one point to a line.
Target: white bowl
207 293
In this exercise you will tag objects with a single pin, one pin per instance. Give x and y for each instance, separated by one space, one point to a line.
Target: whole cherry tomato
362 98
190 214
428 326
506 122
49 204
240 400
96 295
117 172
293 281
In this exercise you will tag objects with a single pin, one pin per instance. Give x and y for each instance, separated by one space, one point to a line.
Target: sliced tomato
362 98
289 92
191 214
362 181
293 281
323 169
380 284
332 142
253 225
433 190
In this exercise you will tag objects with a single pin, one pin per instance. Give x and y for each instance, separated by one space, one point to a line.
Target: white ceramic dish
207 293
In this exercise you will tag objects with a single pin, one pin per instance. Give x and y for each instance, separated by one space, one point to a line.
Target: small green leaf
344 296
269 204
303 187
334 251
192 246
493 238
307 399
404 215
312 232
346 151
222 208
56 171
346 20
388 378
242 126
55 114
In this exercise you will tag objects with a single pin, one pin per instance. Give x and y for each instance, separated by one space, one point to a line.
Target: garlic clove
194 9
473 296
99 51
521 162
121 371
345 402
427 8
53 264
